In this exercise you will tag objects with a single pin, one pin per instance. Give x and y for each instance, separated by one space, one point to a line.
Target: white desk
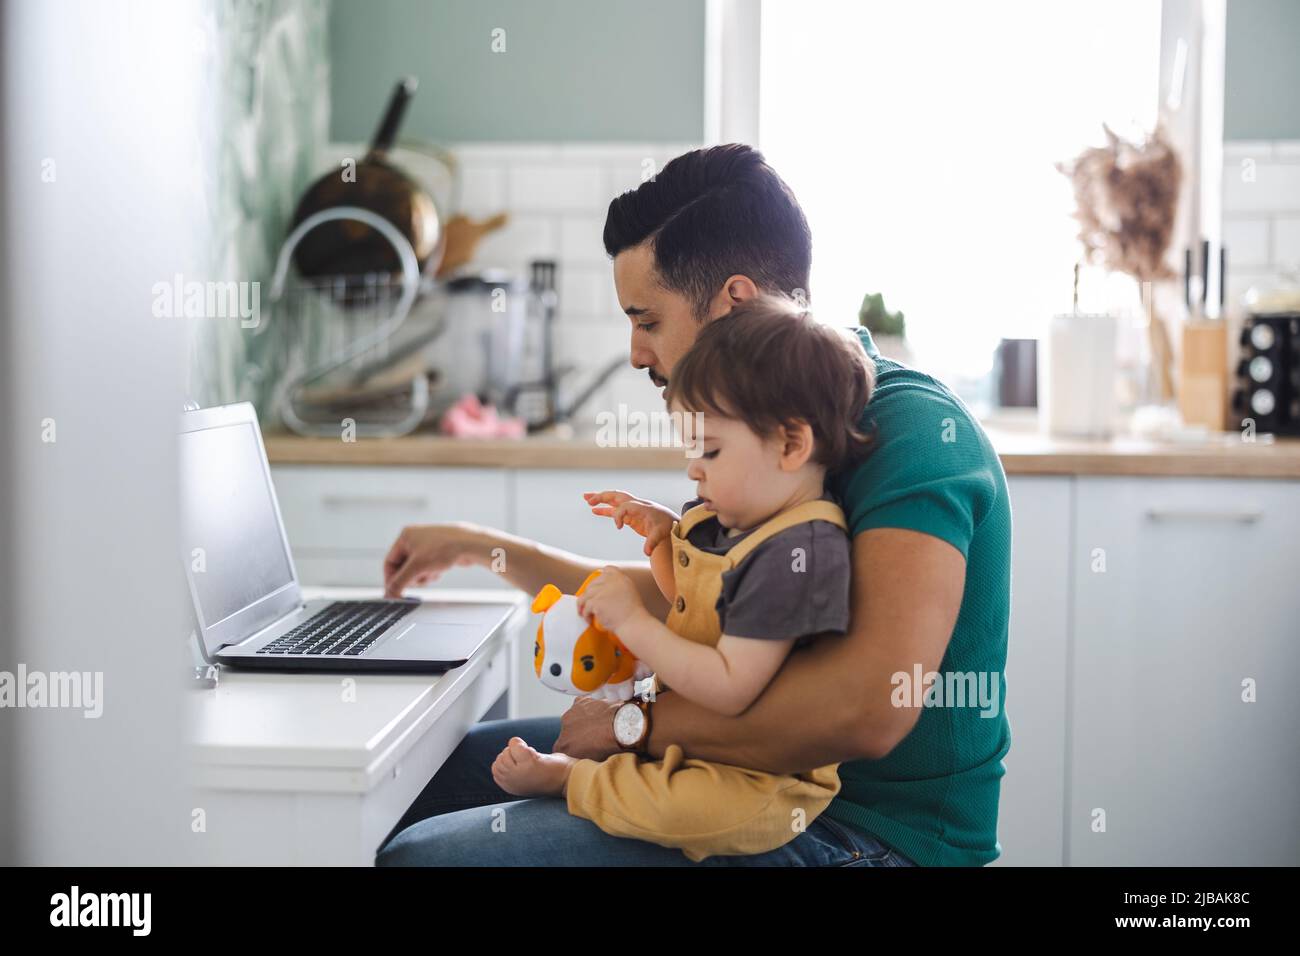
318 768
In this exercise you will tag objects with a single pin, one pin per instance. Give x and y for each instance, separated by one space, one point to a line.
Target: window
920 139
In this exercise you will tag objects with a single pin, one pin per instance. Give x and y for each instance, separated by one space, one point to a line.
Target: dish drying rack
350 317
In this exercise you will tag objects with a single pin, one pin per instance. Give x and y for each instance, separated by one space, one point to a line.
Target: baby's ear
591 577
546 597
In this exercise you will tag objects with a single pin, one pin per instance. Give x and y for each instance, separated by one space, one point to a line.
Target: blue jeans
464 819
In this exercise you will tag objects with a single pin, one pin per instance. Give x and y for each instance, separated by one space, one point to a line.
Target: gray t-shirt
780 592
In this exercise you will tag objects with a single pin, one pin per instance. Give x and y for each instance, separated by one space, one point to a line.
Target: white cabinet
341 521
1030 821
1184 589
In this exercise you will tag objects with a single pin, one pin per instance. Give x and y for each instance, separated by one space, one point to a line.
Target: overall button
681 604
683 558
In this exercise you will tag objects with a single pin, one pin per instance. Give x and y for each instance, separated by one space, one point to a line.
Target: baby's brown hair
769 363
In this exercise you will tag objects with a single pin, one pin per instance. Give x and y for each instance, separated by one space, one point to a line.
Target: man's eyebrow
634 310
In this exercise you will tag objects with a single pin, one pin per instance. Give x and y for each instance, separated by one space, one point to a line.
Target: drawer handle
1196 514
374 501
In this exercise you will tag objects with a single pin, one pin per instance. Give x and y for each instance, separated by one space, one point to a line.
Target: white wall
107 97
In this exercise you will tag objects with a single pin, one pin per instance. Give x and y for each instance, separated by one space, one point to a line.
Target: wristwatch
632 725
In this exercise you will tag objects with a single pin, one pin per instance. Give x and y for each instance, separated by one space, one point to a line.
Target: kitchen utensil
1077 376
1016 373
380 305
463 237
538 400
350 247
481 351
1203 358
1203 373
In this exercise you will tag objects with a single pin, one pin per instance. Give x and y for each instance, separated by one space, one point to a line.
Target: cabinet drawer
350 508
341 521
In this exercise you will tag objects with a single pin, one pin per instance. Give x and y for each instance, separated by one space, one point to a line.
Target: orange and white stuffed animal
576 657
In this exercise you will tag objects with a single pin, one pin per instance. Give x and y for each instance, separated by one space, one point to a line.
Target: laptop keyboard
344 627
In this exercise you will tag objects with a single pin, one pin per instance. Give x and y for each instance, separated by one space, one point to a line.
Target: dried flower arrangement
1127 201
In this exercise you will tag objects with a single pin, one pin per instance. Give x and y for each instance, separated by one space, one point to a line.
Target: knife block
1203 374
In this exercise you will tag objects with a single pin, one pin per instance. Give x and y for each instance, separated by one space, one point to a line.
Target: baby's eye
711 454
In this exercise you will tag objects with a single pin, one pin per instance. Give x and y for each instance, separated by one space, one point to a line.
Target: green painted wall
572 70
1262 86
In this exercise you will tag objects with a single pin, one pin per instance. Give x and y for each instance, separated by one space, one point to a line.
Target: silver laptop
249 610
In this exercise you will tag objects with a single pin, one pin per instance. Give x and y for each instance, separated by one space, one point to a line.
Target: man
894 700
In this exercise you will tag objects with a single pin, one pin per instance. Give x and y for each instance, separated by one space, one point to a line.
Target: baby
756 565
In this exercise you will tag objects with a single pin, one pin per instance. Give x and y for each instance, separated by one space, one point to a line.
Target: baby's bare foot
521 770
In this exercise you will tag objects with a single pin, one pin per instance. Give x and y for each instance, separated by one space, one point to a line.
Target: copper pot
347 247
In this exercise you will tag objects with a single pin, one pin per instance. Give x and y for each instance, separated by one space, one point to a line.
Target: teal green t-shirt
934 797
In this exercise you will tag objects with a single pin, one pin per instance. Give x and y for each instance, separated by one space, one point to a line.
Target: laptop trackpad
450 643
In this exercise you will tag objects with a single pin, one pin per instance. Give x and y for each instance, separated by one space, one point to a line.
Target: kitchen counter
1023 452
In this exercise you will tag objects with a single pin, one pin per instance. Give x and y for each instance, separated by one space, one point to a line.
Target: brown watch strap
640 746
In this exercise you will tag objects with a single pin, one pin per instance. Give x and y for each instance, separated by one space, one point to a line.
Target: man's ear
737 289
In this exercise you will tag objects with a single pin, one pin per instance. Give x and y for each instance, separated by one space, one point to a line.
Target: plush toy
577 657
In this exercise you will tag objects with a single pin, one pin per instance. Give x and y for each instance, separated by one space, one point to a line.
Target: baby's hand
650 520
610 599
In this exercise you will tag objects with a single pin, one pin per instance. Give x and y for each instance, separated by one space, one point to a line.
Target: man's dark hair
769 363
713 213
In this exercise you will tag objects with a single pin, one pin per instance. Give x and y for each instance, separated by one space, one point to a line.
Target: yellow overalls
704 808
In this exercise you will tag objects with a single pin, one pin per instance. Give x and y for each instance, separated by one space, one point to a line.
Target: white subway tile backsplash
630 387
631 173
591 341
1266 186
581 241
1286 242
582 291
592 345
522 239
556 187
1261 213
507 153
482 190
607 153
1247 241
1239 283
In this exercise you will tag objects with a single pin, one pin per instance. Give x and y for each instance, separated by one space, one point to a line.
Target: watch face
629 723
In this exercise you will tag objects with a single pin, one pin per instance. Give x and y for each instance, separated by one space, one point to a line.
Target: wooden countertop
1023 452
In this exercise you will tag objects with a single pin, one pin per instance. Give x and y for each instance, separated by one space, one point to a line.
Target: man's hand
587 729
422 553
649 519
611 600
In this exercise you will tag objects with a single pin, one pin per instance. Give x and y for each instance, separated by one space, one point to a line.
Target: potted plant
888 329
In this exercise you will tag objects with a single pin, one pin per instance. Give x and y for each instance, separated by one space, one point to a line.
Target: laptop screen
234 547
